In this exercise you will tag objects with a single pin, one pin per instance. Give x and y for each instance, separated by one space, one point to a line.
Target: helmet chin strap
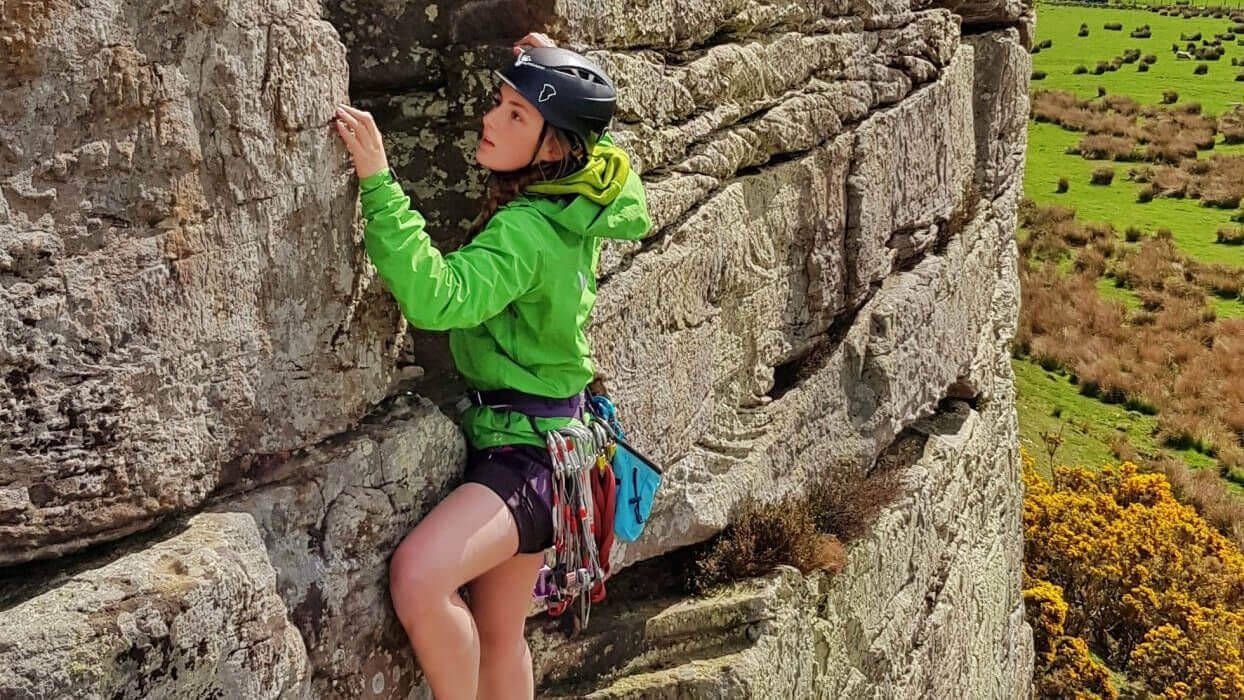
544 130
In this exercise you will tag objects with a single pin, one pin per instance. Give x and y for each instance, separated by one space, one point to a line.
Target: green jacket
515 299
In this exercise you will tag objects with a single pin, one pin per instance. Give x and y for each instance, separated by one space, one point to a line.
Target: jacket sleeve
435 291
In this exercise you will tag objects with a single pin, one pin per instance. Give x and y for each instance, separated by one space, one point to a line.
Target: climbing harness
602 489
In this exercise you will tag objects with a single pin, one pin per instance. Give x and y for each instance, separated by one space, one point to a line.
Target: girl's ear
555 147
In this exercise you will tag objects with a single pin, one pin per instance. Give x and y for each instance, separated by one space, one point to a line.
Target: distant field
1215 90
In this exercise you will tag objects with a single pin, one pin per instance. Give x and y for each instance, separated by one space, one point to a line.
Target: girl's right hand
358 130
533 39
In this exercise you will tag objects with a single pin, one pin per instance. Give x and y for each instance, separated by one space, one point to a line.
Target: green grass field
1087 425
1048 401
1195 227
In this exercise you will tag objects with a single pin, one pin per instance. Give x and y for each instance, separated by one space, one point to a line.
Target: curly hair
503 187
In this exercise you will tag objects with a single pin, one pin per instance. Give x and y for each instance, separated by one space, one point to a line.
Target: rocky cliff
216 427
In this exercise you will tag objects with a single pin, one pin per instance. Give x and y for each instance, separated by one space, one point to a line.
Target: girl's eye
514 115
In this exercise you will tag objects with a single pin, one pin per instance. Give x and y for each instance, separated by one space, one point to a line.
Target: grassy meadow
1051 400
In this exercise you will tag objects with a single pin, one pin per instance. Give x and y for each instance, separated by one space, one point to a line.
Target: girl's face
510 131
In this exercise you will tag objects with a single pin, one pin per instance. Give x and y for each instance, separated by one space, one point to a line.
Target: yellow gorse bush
1113 559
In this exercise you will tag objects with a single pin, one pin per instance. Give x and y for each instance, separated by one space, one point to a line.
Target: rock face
181 281
191 326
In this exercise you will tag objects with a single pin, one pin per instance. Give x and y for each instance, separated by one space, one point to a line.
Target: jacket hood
611 202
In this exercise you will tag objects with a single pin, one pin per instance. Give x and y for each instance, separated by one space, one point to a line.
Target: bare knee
414 583
502 648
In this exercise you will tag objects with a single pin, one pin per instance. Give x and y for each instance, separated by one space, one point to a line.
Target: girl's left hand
358 130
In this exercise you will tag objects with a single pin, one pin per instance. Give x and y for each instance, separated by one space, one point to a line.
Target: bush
1169 97
1083 31
1150 58
1100 68
1239 77
1233 235
1046 44
1035 50
764 535
1145 195
1144 571
1102 176
1142 68
1062 185
1201 69
1132 234
1131 56
1038 75
1079 70
1237 29
1114 26
1101 91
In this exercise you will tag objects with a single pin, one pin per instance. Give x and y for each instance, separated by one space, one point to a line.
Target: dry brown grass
1172 357
1115 125
1206 492
1107 147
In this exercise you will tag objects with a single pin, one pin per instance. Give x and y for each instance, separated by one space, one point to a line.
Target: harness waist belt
530 404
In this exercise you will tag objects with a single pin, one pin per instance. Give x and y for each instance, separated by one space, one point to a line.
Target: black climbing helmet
571 92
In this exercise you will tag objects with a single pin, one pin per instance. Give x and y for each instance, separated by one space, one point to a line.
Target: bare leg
500 599
468 533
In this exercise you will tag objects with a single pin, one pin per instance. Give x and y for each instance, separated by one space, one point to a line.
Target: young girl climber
515 300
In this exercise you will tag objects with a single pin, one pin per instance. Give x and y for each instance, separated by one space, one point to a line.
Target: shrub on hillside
1101 91
1237 29
1046 44
1063 667
1190 37
1114 26
1102 176
1062 185
1101 67
1169 97
1150 58
1038 75
1142 68
1132 234
1131 55
1201 69
1239 77
1079 70
1083 31
1167 587
1145 194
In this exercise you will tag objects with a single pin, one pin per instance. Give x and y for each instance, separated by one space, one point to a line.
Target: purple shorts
523 477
